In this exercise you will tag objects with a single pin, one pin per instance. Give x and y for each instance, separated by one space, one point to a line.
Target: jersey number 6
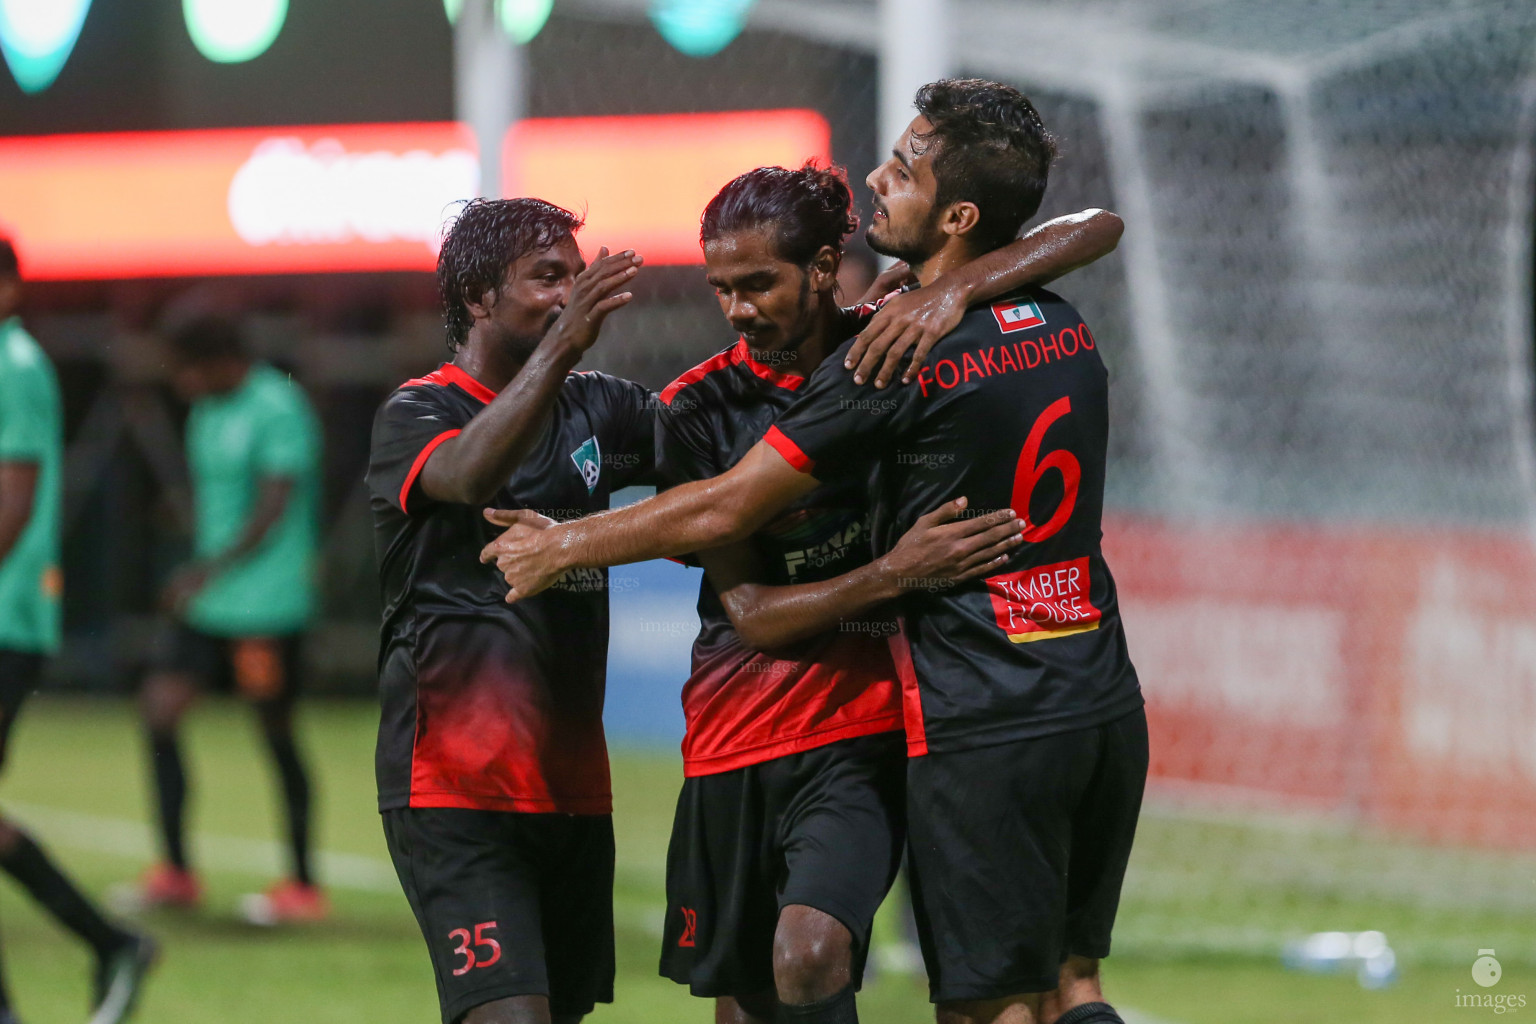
1027 476
469 943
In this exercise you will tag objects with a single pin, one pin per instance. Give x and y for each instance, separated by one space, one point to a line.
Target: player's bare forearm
272 497
768 617
916 321
532 553
941 549
1046 252
470 468
694 517
18 491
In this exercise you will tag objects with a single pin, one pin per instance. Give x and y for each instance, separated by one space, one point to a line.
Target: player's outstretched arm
533 552
917 320
468 469
939 550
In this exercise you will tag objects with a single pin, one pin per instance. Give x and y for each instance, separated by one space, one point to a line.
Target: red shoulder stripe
737 355
451 374
718 361
743 355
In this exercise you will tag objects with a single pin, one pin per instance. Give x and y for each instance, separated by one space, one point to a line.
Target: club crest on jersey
1017 316
589 462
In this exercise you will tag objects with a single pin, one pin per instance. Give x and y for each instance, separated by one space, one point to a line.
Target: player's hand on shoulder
947 545
520 553
598 291
912 322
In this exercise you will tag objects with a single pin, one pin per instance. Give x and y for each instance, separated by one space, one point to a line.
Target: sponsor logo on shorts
690 928
1017 316
1045 602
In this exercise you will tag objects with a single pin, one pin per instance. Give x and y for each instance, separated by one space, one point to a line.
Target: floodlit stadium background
1323 463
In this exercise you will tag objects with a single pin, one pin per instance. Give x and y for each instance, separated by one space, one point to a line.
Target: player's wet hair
992 151
10 266
486 238
808 208
205 337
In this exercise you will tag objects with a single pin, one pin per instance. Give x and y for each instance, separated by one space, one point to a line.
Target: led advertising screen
365 197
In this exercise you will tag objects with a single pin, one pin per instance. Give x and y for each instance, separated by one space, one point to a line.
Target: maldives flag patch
1017 316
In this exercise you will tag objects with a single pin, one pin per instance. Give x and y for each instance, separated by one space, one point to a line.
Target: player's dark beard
805 323
521 346
910 248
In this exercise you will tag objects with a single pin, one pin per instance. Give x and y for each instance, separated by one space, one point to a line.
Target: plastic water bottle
1365 953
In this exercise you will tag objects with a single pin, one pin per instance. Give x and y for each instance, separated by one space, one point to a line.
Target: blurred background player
31 454
789 824
492 763
241 605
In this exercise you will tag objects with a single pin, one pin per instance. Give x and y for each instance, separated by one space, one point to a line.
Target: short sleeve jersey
31 431
742 706
264 428
487 705
1012 412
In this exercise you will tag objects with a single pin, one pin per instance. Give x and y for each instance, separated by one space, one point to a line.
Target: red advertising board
364 197
1385 674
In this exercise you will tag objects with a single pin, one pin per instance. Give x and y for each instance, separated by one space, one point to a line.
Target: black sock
837 1009
5 1000
1091 1013
295 782
27 863
171 792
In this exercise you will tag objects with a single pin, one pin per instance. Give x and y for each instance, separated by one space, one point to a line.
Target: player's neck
491 365
955 254
826 335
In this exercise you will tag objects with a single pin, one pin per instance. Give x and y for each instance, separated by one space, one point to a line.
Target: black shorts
20 673
1018 852
510 904
820 829
259 668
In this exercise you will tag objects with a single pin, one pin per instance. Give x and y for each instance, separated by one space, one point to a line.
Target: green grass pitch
1207 907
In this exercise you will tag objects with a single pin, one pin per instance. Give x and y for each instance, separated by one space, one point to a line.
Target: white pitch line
1137 1017
134 840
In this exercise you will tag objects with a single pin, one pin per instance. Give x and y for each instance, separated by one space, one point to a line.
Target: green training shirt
264 428
31 430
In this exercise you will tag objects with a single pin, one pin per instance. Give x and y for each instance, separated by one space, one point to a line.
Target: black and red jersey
744 707
1011 412
488 705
